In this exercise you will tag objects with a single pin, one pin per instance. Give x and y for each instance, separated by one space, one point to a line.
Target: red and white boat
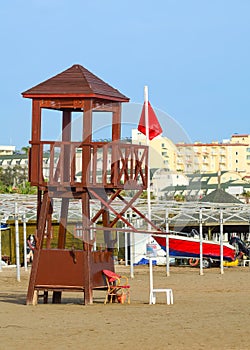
189 247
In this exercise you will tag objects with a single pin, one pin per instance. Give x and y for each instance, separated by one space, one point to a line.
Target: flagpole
147 143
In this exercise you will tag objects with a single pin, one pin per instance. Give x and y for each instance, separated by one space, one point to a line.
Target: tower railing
95 164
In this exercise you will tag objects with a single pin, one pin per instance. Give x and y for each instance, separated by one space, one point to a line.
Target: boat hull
186 247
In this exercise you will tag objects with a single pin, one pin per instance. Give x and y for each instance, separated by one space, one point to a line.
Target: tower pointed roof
75 81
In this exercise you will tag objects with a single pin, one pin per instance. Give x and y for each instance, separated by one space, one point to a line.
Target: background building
7 150
163 152
229 155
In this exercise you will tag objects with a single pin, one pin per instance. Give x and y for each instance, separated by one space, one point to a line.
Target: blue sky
194 56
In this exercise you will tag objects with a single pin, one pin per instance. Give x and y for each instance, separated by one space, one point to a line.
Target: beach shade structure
118 287
220 196
106 169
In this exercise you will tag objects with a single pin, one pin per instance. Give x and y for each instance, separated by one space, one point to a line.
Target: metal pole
118 241
17 245
147 144
25 242
132 248
150 280
167 245
92 232
201 243
126 247
221 242
94 245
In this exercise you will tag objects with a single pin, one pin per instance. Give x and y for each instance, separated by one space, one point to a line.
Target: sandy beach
209 312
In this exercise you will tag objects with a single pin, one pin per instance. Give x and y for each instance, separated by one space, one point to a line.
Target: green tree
246 194
25 149
144 195
15 180
179 198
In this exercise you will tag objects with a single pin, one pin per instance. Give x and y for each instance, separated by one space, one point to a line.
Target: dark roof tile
220 196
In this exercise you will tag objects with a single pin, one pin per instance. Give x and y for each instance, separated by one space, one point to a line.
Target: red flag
154 127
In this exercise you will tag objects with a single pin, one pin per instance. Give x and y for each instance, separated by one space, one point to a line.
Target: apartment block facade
229 155
163 152
7 150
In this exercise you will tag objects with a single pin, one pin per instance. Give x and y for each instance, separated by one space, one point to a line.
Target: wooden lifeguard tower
123 166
